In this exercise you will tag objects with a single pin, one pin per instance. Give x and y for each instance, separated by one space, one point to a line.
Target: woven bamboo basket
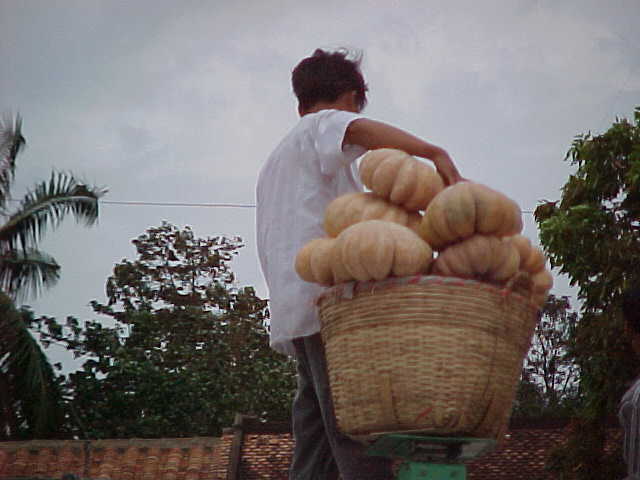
436 355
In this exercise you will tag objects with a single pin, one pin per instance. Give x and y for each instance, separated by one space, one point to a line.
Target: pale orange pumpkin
532 259
376 249
400 178
313 261
479 257
541 283
321 258
340 272
466 208
352 208
413 221
411 254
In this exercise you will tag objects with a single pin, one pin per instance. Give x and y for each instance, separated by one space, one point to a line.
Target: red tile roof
133 459
522 454
264 453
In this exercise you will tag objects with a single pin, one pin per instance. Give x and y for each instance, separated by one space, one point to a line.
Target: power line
181 204
187 204
178 204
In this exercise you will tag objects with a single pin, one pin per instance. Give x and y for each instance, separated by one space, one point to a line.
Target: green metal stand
432 471
431 458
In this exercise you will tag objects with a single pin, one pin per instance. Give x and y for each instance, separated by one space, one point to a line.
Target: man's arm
371 135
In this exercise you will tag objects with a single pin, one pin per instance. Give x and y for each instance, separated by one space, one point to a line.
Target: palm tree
30 397
31 402
23 268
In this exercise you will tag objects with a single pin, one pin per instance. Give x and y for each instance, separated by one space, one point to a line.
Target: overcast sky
182 101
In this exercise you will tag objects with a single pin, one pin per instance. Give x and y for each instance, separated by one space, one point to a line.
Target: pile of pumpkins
410 223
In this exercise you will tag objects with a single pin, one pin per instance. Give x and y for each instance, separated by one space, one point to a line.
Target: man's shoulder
293 138
310 121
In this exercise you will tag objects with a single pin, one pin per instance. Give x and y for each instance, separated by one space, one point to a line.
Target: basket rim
348 290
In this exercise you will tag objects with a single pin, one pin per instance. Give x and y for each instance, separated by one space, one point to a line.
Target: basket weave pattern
440 357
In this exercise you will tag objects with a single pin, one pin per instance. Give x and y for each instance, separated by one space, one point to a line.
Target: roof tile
151 464
265 454
129 464
131 459
107 465
172 467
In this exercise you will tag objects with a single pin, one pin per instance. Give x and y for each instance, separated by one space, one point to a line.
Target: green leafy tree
31 404
187 348
550 377
593 236
29 395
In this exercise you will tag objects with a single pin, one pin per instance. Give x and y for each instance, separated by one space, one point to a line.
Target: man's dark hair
631 308
324 76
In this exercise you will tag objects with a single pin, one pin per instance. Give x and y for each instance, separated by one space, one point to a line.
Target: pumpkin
320 260
414 220
466 208
367 252
479 257
412 255
532 259
375 249
400 178
372 160
313 261
340 272
352 208
541 283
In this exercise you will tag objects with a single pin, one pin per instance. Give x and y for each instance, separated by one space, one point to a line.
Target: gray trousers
320 451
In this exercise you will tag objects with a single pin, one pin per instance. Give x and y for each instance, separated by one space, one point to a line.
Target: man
629 412
311 166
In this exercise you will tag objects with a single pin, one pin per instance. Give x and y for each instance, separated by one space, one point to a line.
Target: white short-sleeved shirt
305 172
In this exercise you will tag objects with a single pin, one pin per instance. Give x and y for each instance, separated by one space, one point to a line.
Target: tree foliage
24 268
186 349
550 377
30 396
593 236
